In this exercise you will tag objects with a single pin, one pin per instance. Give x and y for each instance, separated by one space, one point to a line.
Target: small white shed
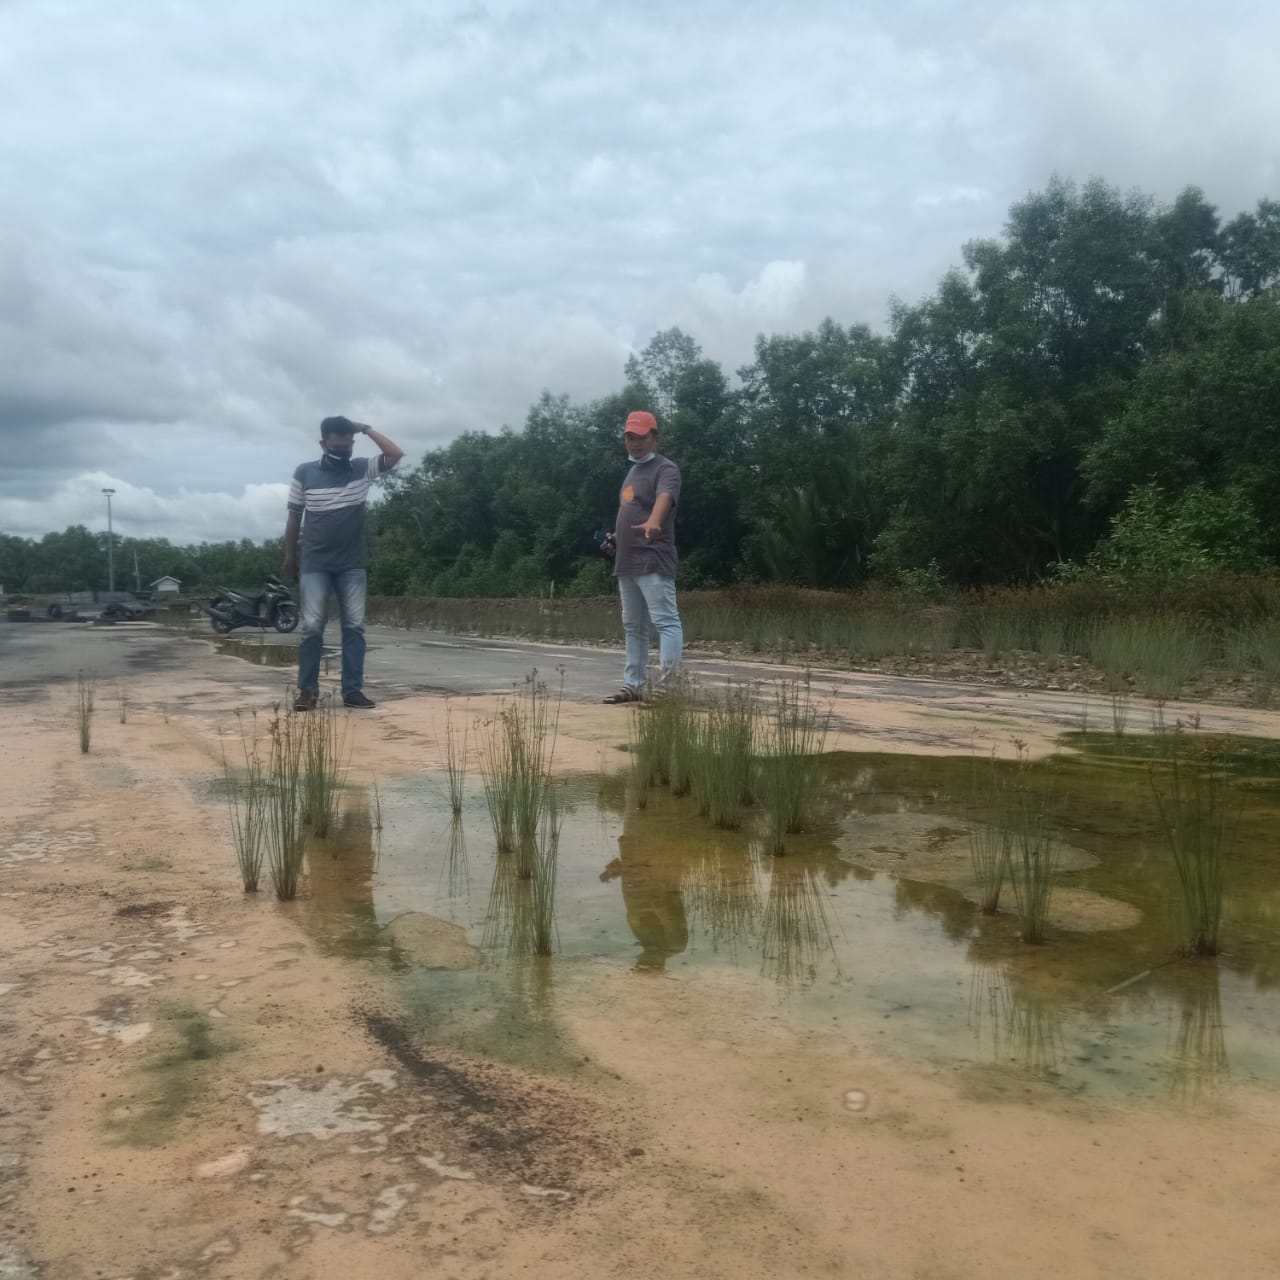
166 586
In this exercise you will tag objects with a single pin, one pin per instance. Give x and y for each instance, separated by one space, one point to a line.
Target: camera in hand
607 542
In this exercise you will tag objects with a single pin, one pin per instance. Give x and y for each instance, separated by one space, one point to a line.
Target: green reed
723 744
455 759
1199 813
1034 848
517 750
1033 865
248 793
326 755
284 825
789 777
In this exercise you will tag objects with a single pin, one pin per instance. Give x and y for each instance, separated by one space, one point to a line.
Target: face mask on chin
341 457
648 457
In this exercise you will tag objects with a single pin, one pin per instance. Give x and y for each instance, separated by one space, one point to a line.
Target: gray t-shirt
640 490
331 498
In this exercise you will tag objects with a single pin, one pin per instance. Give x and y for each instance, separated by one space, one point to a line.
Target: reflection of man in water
651 892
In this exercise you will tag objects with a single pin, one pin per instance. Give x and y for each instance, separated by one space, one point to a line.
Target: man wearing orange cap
644 549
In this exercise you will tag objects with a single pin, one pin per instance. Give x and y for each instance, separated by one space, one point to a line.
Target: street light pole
111 566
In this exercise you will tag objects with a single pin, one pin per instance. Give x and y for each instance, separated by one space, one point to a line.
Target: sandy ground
191 1086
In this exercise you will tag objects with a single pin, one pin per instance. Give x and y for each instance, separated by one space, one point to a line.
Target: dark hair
337 427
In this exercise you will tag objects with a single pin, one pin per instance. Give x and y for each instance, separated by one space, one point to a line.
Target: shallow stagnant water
863 929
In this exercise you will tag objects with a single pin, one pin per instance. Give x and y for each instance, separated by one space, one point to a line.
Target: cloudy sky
221 222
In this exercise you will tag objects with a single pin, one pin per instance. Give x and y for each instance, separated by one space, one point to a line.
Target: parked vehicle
273 606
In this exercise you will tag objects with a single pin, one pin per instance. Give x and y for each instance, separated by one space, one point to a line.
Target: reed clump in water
789 777
1199 813
325 757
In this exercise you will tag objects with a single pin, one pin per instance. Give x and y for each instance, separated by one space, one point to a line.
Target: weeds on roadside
84 708
247 799
122 701
325 757
1200 815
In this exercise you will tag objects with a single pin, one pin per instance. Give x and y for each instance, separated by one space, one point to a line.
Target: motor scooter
273 606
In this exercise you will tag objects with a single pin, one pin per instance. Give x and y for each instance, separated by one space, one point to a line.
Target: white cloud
222 223
256 512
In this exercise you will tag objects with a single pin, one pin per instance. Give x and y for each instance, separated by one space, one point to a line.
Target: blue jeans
650 598
349 586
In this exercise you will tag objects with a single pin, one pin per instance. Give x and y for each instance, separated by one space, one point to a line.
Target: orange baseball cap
639 424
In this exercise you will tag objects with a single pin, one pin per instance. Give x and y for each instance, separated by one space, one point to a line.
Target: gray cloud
221 224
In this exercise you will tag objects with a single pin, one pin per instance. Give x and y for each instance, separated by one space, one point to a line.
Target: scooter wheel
222 628
286 617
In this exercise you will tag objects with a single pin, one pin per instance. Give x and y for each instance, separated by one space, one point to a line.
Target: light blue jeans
349 586
650 598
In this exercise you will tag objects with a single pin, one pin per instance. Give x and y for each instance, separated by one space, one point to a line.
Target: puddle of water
260 651
864 929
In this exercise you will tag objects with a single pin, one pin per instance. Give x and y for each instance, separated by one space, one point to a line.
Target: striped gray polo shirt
330 496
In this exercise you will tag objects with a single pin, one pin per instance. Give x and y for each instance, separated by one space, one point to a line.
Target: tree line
76 560
1097 389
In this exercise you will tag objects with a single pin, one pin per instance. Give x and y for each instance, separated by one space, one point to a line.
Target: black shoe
358 700
306 700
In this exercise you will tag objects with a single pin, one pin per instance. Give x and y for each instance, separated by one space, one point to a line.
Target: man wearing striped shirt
326 507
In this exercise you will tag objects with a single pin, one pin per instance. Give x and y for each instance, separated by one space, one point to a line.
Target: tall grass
516 754
248 795
325 757
789 776
724 756
544 872
1090 617
1033 865
1199 814
1159 654
284 826
990 843
455 759
522 894
1033 847
990 848
85 682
